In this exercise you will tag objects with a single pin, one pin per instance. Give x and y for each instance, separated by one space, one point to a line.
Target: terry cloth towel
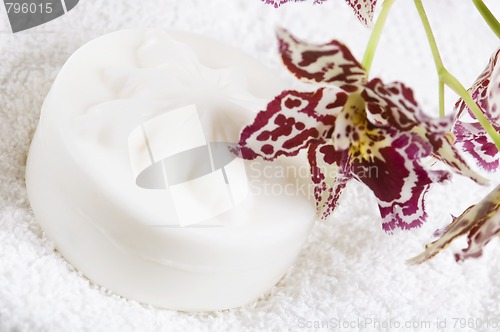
350 275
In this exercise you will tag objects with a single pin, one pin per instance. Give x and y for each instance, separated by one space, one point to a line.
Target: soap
131 172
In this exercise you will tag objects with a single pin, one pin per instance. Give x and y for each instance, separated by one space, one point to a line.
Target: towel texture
349 276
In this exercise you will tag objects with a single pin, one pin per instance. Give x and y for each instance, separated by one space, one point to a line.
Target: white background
349 268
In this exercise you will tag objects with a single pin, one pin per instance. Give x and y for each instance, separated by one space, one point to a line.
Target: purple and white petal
277 3
364 10
291 122
329 175
494 96
325 64
350 123
487 83
398 179
444 150
472 139
394 105
480 222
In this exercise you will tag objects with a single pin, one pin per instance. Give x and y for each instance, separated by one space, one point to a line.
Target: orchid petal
447 153
291 122
480 222
350 122
328 64
364 10
472 138
398 180
485 92
329 174
394 105
277 3
494 96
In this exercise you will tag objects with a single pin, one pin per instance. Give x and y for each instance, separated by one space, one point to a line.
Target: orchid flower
349 125
480 222
471 137
363 9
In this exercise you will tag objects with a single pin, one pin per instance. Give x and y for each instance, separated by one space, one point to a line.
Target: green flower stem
430 35
488 17
441 98
435 52
447 78
371 47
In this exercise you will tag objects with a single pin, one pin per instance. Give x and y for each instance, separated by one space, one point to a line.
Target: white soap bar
130 175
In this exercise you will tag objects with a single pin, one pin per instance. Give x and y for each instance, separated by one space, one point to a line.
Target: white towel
349 274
